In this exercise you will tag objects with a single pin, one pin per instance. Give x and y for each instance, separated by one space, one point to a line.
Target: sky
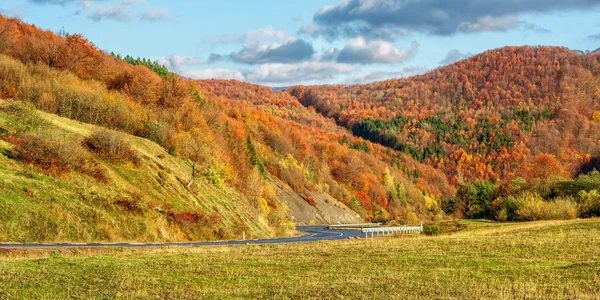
282 43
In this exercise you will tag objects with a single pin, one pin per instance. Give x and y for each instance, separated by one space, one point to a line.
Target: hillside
253 157
515 111
44 200
214 158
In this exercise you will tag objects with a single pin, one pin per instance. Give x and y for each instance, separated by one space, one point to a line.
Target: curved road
311 234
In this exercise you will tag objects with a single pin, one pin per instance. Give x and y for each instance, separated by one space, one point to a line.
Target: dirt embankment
327 210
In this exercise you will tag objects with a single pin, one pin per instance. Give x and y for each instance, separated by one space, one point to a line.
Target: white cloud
155 14
123 10
362 51
368 77
490 23
277 74
251 37
213 74
175 62
118 12
288 74
454 56
287 52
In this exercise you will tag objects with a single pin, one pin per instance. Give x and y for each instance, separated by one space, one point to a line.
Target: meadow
544 259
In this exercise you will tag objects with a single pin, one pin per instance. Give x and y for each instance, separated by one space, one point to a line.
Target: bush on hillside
56 157
532 207
431 229
472 200
110 146
505 208
589 205
23 117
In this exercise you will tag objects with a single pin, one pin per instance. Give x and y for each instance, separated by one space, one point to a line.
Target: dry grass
547 259
40 207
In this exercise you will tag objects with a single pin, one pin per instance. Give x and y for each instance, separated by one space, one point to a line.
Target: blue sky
281 43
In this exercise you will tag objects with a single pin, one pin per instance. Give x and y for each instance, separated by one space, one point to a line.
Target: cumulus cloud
155 14
362 51
490 23
290 51
118 13
213 74
123 11
277 74
251 37
535 28
437 17
332 33
368 77
175 62
594 36
61 2
454 56
14 11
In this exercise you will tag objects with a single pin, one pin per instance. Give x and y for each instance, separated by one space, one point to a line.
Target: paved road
311 234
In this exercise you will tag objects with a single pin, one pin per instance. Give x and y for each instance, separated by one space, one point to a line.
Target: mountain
512 112
96 147
165 158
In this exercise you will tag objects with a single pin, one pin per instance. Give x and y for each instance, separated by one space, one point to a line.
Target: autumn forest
509 134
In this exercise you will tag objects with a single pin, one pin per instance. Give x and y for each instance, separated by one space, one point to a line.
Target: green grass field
550 259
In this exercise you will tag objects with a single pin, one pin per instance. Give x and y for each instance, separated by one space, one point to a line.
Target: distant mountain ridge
484 118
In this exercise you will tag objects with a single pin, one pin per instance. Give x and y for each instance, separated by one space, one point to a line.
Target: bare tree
193 147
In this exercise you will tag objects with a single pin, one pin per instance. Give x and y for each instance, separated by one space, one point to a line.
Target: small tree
253 157
193 147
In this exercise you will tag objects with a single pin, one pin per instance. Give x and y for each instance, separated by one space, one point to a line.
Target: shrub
56 157
473 199
505 209
240 226
130 205
154 131
110 146
24 117
197 224
263 205
431 229
3 132
589 205
502 215
533 207
310 200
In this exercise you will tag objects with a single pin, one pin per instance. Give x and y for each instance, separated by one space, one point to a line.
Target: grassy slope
78 208
550 259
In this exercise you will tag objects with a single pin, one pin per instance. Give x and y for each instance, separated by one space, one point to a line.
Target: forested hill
228 139
243 157
515 111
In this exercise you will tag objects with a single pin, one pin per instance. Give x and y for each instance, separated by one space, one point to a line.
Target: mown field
547 259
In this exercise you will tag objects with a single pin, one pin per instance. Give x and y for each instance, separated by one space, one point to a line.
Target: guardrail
353 226
392 230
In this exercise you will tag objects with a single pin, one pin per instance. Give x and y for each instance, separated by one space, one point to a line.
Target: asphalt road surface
311 234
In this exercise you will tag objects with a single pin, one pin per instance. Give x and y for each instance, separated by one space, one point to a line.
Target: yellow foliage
264 206
596 116
388 180
289 162
429 202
